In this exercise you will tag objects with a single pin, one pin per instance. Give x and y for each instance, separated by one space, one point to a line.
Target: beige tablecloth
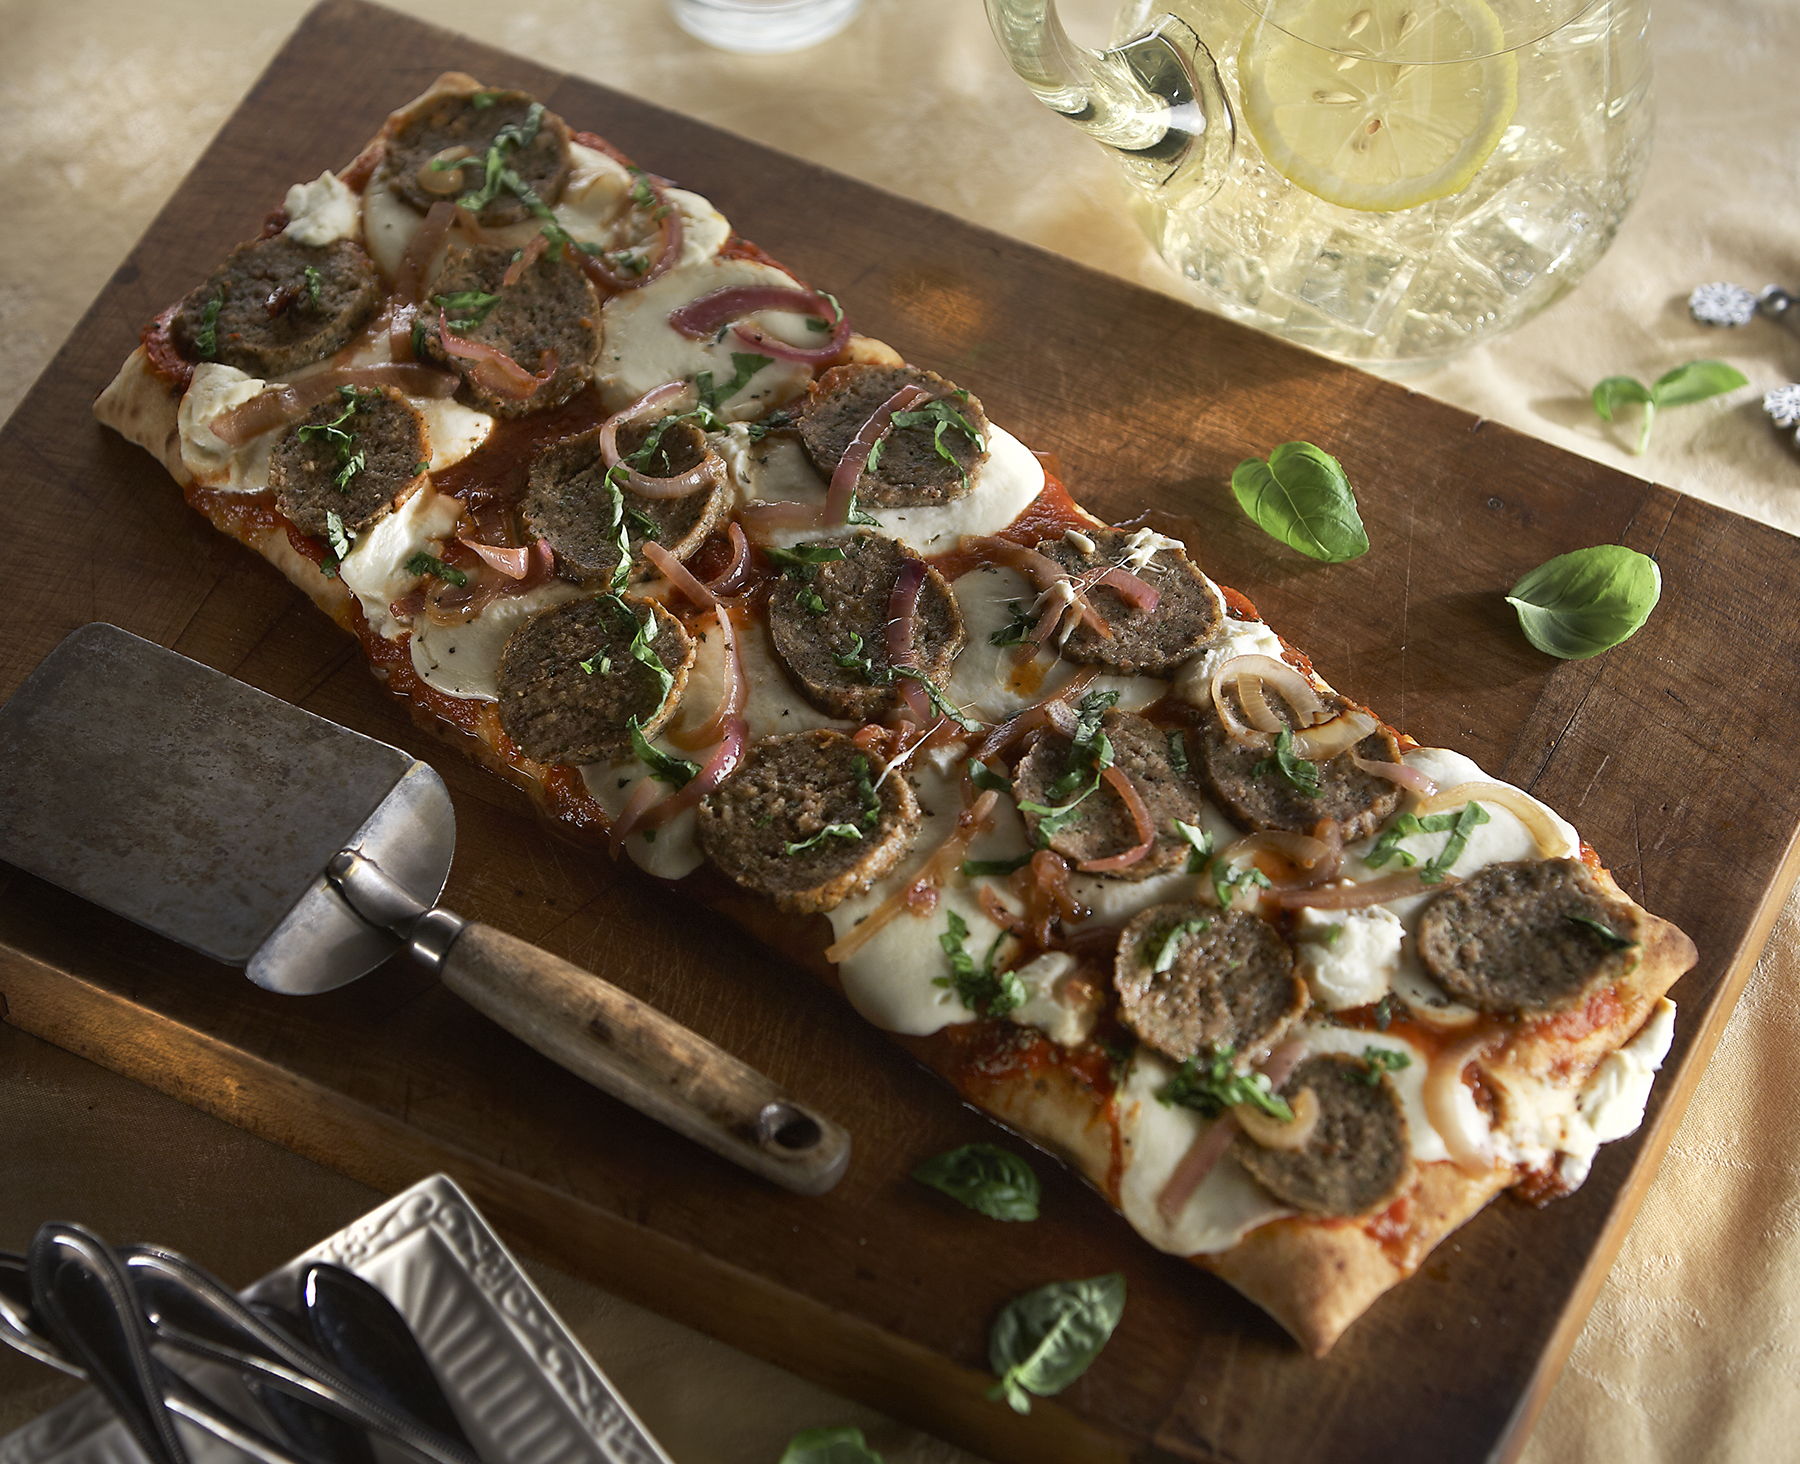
104 104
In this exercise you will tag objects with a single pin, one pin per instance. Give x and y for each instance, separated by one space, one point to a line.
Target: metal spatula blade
206 810
266 837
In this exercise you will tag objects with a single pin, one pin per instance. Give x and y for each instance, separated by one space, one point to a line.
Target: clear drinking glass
1383 180
763 27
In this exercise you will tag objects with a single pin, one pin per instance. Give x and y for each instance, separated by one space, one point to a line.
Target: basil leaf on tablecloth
1301 497
1587 601
1046 1339
829 1446
986 1178
1692 381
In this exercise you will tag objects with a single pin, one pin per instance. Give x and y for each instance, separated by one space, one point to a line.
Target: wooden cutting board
882 1289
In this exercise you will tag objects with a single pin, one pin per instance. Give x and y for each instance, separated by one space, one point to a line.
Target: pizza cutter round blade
266 837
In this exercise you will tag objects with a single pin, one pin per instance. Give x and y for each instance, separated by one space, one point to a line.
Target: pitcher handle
1155 100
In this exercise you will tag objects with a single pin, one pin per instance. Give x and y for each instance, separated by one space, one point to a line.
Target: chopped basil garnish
1610 937
1379 1060
677 772
1459 825
803 560
1044 1340
866 794
1169 947
941 417
812 602
986 1178
423 564
1178 758
644 653
337 536
1017 630
940 703
596 664
976 868
985 778
481 101
1210 1083
980 988
206 339
1090 755
465 309
315 285
856 659
830 831
350 457
1301 774
1200 845
1384 1009
617 526
744 365
1229 878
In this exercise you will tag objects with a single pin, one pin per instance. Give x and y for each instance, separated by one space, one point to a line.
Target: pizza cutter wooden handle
609 1038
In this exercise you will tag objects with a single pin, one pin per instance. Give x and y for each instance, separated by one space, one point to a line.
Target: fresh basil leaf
1695 381
1170 946
988 1179
802 560
677 772
1619 391
1468 818
980 988
1301 775
1301 497
1587 601
985 778
1046 1339
829 1446
206 339
468 307
1379 1060
337 536
1212 1082
424 564
1610 937
1178 757
976 868
830 831
1200 845
1228 879
866 795
1016 630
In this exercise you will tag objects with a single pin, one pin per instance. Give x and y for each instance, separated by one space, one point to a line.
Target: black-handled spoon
310 1428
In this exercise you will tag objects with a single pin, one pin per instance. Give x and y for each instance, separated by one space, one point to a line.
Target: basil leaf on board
1692 381
986 1178
1046 1339
1587 601
1301 497
829 1446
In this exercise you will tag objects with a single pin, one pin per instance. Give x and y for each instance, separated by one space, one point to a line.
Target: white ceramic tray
521 1384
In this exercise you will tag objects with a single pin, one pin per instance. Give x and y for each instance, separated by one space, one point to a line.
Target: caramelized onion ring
1328 739
842 492
492 369
730 579
280 405
1143 826
1552 843
1361 895
1405 775
671 230
1270 1132
902 631
734 691
658 401
1445 1111
1293 688
700 320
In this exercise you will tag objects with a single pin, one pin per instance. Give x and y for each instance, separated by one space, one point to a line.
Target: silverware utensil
313 1429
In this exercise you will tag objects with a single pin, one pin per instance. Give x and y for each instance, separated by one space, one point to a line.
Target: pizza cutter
265 837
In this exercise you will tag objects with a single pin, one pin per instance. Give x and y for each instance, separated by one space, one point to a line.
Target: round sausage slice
1250 783
1053 775
1191 977
803 821
570 685
568 502
908 471
354 455
276 305
547 320
460 127
1530 936
829 622
1187 616
1356 1160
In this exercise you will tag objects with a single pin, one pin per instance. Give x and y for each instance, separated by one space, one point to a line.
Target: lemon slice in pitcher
1373 134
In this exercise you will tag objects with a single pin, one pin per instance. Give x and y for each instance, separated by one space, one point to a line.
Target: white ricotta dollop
464 660
1193 682
1049 1005
375 568
1154 1137
1348 957
321 212
208 458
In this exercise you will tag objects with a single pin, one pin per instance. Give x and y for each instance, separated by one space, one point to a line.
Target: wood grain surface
1660 751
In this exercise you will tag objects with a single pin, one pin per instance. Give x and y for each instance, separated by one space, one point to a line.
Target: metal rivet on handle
786 1127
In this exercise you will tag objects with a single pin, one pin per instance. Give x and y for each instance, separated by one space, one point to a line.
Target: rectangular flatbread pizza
605 490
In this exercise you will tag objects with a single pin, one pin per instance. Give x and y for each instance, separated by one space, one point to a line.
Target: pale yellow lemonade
1407 177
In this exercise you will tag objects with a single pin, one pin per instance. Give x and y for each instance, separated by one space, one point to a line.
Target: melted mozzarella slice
464 660
321 212
208 458
639 349
669 852
375 568
1154 1137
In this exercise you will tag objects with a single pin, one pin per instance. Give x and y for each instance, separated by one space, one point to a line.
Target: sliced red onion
730 580
642 799
494 370
671 228
1115 778
764 518
652 813
1408 777
514 563
842 492
701 319
678 574
528 256
658 401
415 263
1190 1173
1044 572
1279 1065
1136 592
282 404
902 630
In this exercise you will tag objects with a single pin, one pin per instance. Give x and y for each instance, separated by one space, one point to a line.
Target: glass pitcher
1383 180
